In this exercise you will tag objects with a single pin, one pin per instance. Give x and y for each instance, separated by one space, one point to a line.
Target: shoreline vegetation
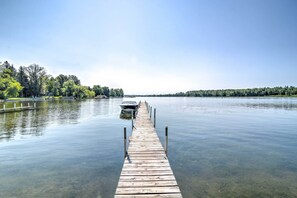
33 83
287 91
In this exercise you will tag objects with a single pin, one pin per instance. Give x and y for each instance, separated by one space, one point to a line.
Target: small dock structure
146 171
19 108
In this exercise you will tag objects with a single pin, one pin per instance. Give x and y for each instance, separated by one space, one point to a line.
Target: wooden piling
154 117
125 142
132 119
166 140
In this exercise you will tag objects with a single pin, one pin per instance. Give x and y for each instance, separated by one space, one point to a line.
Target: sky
155 46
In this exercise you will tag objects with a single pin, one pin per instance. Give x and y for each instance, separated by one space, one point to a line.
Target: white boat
129 105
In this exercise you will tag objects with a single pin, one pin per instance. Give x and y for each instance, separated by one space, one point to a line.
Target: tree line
33 81
265 91
251 92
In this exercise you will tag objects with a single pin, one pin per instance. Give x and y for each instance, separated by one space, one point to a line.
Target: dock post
21 105
132 119
151 112
14 105
125 142
3 107
34 105
155 117
166 141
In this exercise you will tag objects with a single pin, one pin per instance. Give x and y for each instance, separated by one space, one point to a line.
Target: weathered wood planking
146 171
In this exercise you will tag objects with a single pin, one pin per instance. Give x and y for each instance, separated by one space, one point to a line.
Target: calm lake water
218 147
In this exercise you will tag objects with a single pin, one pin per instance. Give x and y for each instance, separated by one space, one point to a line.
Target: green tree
74 78
98 90
37 76
122 92
56 89
69 88
90 94
8 68
49 86
22 78
61 79
112 92
9 87
106 91
13 89
116 92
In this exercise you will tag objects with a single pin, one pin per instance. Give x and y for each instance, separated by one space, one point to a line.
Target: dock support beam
125 142
166 141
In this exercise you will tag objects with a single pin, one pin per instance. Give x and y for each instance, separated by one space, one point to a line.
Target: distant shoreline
249 92
171 96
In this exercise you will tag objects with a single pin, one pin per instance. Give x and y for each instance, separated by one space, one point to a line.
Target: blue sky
155 46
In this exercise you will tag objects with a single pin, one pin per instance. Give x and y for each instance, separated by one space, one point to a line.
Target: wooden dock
146 171
16 109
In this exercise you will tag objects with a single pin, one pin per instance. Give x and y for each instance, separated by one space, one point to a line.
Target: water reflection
33 122
231 147
78 153
271 103
284 106
217 148
127 115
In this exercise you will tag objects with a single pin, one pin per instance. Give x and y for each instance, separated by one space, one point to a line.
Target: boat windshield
129 102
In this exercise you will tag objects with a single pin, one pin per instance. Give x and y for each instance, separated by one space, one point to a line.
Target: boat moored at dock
129 105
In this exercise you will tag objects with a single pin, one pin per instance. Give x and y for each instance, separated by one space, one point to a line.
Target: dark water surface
218 147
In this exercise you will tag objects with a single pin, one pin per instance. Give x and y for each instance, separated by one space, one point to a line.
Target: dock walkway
146 171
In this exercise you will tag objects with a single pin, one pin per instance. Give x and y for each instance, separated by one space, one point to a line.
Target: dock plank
172 195
147 190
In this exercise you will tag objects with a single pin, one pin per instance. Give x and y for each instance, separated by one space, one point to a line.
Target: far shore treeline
33 81
286 91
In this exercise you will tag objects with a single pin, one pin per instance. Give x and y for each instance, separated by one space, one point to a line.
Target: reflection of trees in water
64 112
283 105
7 125
33 122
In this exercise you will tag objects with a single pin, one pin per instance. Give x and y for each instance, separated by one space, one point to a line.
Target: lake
218 147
